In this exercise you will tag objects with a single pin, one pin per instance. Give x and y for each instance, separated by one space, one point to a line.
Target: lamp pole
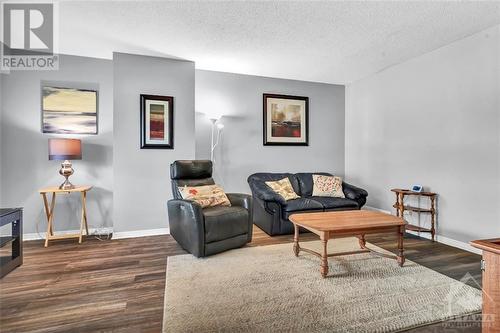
215 137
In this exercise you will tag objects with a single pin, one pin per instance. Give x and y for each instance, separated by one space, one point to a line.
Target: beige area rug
268 289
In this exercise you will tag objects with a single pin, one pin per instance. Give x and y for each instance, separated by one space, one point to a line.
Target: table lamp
65 150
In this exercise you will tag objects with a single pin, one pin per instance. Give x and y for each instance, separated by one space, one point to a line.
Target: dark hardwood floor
118 285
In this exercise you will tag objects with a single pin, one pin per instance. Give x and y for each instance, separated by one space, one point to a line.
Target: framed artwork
286 120
157 122
69 110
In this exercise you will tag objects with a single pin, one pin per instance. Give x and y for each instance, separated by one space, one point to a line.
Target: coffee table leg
296 247
324 255
401 256
362 241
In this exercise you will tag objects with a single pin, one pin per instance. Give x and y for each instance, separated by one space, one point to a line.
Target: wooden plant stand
49 211
401 208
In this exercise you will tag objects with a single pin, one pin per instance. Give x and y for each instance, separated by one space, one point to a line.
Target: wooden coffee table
347 224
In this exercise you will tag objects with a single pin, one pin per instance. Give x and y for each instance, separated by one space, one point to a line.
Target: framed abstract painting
157 122
286 120
69 110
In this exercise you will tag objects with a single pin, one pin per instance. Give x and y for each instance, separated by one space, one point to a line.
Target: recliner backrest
190 173
306 183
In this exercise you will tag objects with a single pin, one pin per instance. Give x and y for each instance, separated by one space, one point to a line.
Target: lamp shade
65 149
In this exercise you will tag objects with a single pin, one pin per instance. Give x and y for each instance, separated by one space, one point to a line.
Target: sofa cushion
305 181
327 186
263 177
224 222
335 203
284 188
301 205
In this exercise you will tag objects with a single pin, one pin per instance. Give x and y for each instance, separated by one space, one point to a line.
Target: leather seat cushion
334 203
225 222
301 204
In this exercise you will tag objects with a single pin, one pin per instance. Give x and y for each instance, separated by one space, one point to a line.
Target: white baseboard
104 231
439 239
92 231
377 209
141 233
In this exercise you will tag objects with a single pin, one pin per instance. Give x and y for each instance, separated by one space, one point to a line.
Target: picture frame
285 120
68 109
157 122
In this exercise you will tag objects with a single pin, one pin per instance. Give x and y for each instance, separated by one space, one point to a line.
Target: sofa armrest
353 192
187 225
265 193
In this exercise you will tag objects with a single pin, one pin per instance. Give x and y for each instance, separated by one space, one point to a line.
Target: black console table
12 216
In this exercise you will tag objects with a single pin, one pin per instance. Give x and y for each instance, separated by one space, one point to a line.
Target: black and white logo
28 36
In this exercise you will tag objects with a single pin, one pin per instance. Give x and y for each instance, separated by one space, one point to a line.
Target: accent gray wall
142 176
239 99
433 120
25 167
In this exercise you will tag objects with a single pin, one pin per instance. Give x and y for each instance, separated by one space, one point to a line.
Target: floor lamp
217 127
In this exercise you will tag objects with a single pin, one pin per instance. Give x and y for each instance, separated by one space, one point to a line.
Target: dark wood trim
170 133
264 108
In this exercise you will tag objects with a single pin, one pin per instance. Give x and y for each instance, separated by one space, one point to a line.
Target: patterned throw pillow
206 195
284 188
327 186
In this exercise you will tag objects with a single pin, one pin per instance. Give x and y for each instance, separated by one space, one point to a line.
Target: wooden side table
401 207
49 211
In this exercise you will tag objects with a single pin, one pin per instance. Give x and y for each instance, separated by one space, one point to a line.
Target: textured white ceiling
335 42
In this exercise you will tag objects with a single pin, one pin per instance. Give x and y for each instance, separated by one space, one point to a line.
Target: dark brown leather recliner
206 231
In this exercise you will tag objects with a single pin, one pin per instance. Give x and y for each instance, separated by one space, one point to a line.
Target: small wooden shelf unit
401 207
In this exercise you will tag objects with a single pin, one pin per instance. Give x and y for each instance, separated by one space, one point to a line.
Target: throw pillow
206 195
284 188
327 186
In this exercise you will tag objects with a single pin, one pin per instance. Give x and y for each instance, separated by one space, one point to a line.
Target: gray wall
433 120
239 99
25 167
142 177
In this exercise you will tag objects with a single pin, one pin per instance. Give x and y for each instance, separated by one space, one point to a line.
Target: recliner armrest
241 200
191 207
353 192
187 225
265 193
245 201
